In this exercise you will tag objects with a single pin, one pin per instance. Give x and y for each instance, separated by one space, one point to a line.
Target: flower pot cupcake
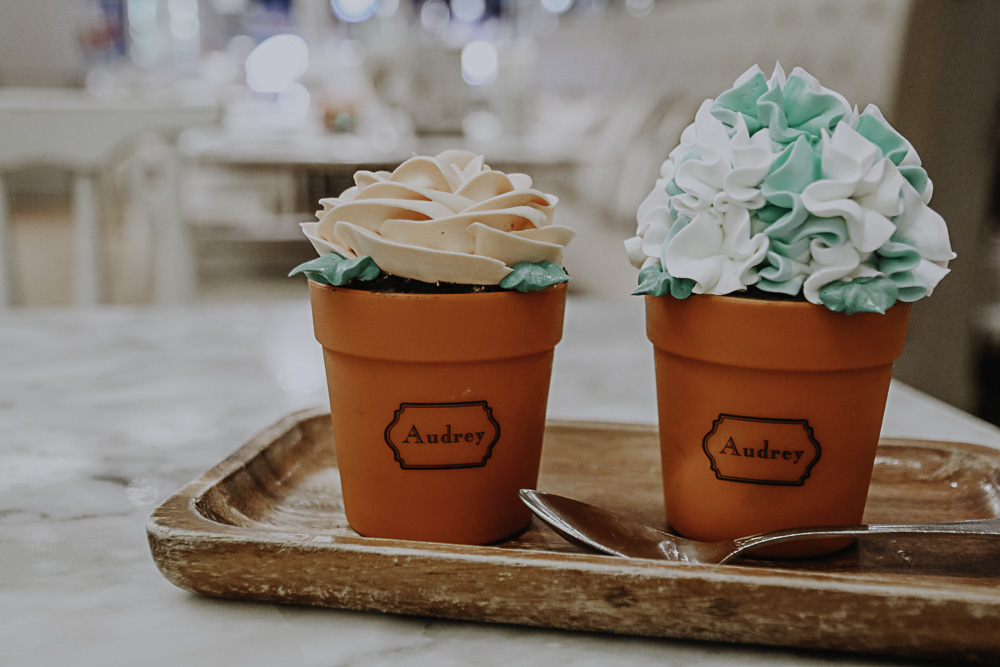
438 298
780 250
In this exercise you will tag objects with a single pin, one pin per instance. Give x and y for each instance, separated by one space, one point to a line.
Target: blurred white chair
79 132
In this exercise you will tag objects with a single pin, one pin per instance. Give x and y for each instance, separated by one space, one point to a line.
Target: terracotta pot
438 406
769 413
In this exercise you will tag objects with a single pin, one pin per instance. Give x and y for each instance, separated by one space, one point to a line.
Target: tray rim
163 526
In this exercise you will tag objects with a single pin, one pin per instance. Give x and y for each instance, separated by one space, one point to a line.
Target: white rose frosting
448 218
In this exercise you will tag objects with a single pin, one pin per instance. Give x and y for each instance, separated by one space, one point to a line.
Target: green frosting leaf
531 277
332 269
860 295
655 281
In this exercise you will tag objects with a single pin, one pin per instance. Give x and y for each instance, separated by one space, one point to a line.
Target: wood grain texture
267 524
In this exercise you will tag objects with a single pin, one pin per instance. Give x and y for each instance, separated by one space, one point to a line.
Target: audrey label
758 450
441 436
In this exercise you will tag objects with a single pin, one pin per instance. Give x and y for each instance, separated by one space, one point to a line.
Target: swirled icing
781 184
448 218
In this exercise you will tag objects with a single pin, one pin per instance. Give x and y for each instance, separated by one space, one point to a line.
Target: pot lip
437 327
461 296
753 302
756 333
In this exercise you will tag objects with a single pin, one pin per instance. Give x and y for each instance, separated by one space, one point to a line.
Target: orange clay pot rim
754 302
504 294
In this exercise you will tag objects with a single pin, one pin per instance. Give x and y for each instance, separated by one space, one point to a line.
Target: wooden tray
267 524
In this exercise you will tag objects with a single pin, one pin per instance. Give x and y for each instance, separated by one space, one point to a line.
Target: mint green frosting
790 112
531 277
655 281
790 228
742 100
860 295
897 260
797 116
333 269
893 146
785 217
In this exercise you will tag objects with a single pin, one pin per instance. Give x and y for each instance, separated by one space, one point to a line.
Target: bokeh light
276 63
353 11
184 23
468 10
639 8
434 15
143 32
557 6
479 63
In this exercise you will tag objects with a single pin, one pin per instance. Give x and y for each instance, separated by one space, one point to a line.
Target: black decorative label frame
467 449
800 461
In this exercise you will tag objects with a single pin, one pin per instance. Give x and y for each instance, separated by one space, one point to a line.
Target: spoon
598 529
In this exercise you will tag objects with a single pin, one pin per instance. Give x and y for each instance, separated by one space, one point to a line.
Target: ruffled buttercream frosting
781 184
448 218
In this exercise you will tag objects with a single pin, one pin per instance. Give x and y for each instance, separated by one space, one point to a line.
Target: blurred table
77 131
106 412
312 147
322 164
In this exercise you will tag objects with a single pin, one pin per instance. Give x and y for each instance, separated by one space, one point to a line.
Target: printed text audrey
765 452
414 436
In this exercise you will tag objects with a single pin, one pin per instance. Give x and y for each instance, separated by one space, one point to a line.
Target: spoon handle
982 527
971 527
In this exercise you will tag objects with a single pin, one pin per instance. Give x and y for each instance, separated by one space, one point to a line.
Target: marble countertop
106 412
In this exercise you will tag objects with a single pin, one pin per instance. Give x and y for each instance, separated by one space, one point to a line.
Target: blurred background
163 151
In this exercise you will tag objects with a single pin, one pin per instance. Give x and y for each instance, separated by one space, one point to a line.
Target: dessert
444 220
779 254
438 299
780 185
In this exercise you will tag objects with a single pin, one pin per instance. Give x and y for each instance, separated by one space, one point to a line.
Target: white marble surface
104 413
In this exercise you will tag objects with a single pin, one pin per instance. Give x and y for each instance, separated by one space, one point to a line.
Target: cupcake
438 298
780 187
779 253
436 224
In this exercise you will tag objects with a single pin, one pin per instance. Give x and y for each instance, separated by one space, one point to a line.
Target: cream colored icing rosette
448 218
